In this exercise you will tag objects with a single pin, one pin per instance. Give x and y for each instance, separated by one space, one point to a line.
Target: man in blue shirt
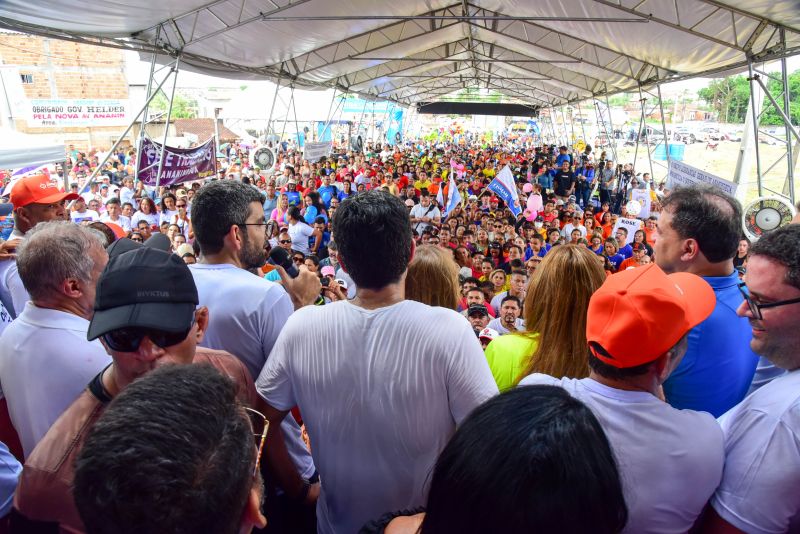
698 232
271 198
292 194
624 249
327 191
563 156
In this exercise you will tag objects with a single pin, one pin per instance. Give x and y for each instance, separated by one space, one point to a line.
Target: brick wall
63 69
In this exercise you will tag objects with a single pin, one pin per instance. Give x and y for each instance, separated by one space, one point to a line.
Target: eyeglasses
255 418
285 241
180 205
137 239
298 259
129 339
755 307
263 222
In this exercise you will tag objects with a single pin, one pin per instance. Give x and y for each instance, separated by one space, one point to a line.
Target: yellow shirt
507 356
420 185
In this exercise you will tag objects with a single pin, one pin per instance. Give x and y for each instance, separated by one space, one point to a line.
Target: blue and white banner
454 197
504 187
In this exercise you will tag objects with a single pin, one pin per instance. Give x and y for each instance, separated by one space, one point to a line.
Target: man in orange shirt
638 258
650 229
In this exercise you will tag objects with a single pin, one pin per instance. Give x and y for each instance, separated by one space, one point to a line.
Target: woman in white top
146 212
168 210
299 231
182 219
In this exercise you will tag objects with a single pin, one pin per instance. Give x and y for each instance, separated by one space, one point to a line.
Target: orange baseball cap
37 189
639 314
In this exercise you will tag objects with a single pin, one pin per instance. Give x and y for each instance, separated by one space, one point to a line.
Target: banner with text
631 225
43 113
504 187
313 151
683 175
180 164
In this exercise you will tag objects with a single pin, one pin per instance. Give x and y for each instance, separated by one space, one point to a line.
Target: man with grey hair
45 358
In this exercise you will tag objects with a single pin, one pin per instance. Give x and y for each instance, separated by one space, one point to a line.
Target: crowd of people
380 343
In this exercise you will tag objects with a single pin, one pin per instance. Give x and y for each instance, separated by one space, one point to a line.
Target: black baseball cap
477 308
147 288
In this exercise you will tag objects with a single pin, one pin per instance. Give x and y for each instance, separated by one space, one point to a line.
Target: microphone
280 257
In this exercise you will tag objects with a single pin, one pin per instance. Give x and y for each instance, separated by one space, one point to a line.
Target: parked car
734 135
684 135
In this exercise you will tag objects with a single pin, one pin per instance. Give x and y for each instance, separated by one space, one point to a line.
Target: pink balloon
535 204
527 188
530 215
460 167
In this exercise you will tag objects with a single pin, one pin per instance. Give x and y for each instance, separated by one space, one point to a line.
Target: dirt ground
721 162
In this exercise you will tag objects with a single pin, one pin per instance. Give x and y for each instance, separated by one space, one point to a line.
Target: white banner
631 225
642 196
682 175
45 113
313 151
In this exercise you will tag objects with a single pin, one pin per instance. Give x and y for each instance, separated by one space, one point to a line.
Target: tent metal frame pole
583 120
286 115
571 126
664 129
756 117
613 137
789 128
100 165
297 132
647 137
174 72
330 117
608 134
361 118
330 109
791 157
145 111
639 130
272 108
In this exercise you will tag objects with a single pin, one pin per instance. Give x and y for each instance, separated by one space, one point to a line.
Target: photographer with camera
624 177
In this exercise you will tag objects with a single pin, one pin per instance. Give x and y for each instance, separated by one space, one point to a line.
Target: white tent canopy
535 53
20 150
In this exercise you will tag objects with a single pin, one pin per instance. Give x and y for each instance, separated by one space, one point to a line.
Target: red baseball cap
37 189
639 314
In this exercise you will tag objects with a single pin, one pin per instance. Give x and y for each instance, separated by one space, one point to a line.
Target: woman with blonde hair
433 278
499 281
555 311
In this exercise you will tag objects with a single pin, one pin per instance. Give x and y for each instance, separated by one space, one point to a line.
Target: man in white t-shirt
508 316
381 381
759 490
425 214
80 213
247 311
45 358
670 461
114 215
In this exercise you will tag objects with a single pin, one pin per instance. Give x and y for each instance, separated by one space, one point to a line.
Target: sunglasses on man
129 339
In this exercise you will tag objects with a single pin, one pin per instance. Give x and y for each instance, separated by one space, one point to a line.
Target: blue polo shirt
718 367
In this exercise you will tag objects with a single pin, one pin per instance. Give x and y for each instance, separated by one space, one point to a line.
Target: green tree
182 107
728 97
770 115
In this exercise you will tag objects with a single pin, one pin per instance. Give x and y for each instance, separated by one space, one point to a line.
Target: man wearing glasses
248 312
146 315
758 492
698 232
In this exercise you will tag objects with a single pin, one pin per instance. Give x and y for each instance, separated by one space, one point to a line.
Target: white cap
488 333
